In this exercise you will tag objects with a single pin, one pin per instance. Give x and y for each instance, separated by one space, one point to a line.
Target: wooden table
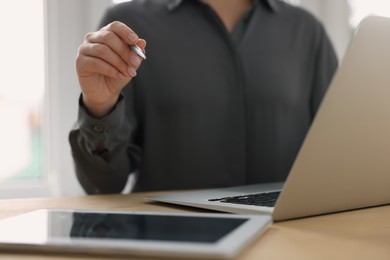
359 234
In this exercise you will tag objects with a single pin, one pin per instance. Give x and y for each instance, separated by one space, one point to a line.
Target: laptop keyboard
265 199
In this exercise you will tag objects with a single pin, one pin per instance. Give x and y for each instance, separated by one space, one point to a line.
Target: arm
100 150
105 65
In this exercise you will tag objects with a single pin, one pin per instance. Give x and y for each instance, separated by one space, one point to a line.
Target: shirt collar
173 4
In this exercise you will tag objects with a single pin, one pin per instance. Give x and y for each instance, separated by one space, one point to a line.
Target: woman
225 97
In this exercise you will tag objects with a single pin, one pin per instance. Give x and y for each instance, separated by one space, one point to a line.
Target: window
22 91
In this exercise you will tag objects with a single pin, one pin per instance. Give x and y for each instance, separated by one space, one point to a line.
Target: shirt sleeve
107 171
326 64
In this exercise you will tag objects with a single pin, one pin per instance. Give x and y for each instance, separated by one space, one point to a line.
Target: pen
138 51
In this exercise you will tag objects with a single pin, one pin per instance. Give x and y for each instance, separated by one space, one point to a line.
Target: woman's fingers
122 31
91 65
105 53
112 46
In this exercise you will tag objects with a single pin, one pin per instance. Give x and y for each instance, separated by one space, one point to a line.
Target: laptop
344 162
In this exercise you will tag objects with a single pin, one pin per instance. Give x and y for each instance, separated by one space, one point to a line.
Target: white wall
334 14
67 23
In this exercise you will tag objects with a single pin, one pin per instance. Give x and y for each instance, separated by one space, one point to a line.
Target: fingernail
133 37
132 72
135 60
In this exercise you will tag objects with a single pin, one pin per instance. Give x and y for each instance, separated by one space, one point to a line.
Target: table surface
358 234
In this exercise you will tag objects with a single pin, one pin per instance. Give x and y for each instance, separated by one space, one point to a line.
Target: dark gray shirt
208 108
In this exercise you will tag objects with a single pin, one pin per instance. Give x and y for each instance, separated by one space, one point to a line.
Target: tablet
125 233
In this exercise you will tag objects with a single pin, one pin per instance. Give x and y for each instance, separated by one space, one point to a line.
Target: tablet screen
147 227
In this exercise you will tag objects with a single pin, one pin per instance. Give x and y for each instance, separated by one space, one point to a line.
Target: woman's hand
105 64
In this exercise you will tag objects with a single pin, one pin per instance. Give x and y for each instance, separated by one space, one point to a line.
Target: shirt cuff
107 131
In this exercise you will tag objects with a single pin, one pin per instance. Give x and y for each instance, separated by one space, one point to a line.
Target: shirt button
98 129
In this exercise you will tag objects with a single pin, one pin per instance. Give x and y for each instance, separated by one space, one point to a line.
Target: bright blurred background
38 89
